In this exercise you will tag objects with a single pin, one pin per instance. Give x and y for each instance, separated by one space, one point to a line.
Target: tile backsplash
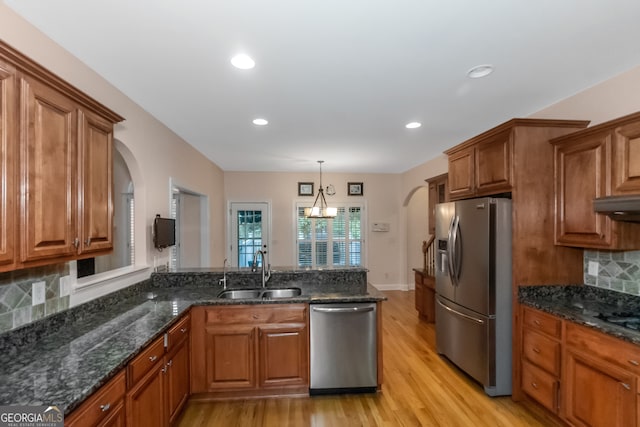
618 271
16 295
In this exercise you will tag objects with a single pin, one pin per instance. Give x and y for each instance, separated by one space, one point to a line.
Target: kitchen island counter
62 359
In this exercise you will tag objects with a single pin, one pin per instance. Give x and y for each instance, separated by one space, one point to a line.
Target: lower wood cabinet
425 295
584 376
145 399
105 408
250 350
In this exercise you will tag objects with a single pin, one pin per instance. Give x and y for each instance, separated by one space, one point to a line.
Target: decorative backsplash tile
618 271
16 299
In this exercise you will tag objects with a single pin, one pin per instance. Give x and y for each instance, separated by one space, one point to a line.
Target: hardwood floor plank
421 388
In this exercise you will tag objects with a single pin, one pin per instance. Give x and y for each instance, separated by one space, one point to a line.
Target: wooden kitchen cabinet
438 193
603 160
105 408
8 159
541 357
177 380
57 204
247 350
425 296
146 399
461 173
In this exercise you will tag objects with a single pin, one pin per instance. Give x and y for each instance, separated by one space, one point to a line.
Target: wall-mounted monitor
164 232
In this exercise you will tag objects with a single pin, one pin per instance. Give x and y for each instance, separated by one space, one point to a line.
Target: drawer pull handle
625 385
153 358
183 330
170 362
534 385
164 369
634 362
537 322
105 408
536 350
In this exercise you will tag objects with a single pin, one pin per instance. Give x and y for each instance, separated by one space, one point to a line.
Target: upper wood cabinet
8 159
461 173
603 160
56 161
438 193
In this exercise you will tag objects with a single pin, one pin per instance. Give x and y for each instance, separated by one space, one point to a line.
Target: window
334 242
249 232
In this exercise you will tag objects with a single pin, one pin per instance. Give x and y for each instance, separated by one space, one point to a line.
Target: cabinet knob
536 350
170 362
105 407
76 242
183 330
537 322
626 386
534 385
164 369
634 362
153 358
87 242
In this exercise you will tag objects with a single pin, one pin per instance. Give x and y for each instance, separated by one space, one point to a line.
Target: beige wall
383 203
155 154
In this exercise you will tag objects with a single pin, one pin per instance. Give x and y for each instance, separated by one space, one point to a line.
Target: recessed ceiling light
260 122
480 71
242 61
413 125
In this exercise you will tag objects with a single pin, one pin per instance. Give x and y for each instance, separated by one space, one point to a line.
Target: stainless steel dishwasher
343 348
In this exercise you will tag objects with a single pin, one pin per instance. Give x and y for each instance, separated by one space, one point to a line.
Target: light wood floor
420 388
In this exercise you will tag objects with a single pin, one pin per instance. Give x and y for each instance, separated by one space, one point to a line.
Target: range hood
619 208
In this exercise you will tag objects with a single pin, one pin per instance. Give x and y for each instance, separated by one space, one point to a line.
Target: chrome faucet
223 281
266 272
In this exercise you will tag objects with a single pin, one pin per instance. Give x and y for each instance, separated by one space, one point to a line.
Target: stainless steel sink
240 293
281 293
260 293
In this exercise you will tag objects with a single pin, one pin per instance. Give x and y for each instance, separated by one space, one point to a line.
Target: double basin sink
262 293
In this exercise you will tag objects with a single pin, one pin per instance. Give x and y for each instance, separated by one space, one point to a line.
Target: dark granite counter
62 359
586 305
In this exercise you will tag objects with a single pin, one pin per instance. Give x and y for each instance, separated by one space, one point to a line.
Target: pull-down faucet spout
266 271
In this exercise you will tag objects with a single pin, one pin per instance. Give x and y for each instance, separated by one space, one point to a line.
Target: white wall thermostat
380 226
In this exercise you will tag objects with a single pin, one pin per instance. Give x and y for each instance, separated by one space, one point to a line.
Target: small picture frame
305 189
355 188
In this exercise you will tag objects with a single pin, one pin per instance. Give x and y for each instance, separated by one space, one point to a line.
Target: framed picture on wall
305 189
355 188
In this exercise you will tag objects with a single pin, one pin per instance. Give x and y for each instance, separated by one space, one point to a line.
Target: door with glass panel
249 232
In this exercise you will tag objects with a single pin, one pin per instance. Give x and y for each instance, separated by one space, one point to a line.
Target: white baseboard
391 287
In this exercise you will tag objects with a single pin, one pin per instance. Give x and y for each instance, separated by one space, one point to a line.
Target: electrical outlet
593 268
38 292
65 286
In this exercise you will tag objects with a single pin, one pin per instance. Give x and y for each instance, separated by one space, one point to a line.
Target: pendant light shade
320 208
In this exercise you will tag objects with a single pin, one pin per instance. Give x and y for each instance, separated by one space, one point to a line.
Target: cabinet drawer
178 332
540 385
146 360
542 322
541 351
598 344
100 405
252 314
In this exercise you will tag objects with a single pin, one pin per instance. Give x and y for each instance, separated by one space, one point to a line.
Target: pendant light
320 208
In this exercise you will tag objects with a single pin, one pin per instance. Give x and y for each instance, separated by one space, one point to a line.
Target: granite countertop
64 362
581 304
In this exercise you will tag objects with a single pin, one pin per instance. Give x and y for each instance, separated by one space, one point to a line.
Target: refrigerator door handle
450 251
457 313
457 250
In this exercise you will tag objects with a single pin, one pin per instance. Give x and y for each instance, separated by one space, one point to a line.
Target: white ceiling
339 79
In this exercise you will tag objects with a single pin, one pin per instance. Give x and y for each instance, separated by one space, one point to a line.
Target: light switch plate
593 268
38 292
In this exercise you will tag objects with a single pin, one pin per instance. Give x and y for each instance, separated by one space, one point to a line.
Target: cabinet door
597 393
230 357
146 399
494 172
104 408
48 172
177 380
96 183
8 158
461 176
283 355
626 160
581 175
419 294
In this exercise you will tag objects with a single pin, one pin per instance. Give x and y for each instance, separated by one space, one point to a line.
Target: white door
249 232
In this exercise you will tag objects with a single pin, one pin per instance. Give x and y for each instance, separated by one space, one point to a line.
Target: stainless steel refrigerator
473 289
